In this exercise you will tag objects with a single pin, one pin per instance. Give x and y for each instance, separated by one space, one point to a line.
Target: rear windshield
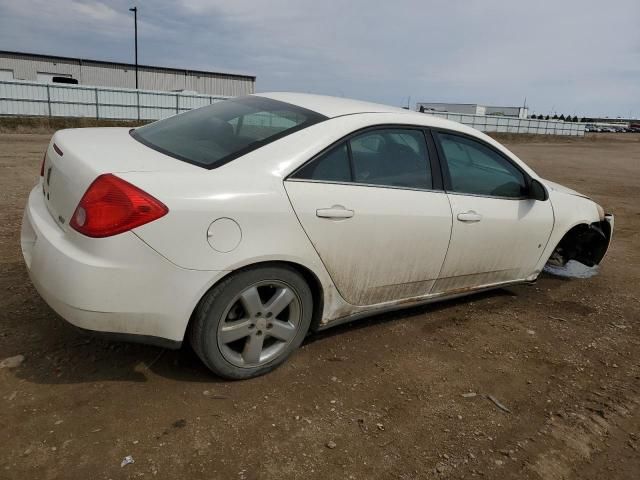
214 135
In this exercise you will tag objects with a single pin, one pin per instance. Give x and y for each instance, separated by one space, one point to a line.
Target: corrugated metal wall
486 123
37 99
474 109
506 111
448 107
101 74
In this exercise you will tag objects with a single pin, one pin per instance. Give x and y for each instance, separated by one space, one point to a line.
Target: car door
373 208
498 232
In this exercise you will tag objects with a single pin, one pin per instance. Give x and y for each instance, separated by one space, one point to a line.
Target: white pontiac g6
249 223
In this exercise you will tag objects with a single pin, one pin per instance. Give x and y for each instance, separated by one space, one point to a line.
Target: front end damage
585 244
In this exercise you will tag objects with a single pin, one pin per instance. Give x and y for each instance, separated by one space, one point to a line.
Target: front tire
249 323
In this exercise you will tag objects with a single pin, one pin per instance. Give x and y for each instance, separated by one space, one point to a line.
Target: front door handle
337 211
469 217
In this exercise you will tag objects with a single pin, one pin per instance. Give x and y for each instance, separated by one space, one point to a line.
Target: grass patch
51 124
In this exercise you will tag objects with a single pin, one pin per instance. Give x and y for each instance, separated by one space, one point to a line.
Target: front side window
214 135
478 170
386 157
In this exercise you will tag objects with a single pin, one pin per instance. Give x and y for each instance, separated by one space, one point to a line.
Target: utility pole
135 27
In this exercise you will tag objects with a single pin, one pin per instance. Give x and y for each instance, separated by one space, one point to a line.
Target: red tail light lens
111 206
44 158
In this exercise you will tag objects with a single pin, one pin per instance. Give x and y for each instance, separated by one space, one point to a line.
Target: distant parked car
246 224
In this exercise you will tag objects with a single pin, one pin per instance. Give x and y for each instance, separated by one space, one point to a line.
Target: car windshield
214 135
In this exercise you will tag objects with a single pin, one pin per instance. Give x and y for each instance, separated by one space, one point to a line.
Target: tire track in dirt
571 440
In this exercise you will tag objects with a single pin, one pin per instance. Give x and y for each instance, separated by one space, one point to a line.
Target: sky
564 56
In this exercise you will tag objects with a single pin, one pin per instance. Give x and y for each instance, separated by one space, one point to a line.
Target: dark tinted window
73 81
388 157
213 135
333 166
477 169
393 157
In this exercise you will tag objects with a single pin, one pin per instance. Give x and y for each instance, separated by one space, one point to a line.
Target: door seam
446 255
313 246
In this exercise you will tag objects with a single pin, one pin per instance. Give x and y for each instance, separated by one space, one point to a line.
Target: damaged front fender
584 243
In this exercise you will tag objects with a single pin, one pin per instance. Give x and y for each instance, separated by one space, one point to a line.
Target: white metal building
67 70
469 108
473 109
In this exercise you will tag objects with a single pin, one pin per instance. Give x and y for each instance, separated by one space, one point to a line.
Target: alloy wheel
259 323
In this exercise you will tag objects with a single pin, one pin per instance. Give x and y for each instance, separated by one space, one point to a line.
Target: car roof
339 107
330 106
333 107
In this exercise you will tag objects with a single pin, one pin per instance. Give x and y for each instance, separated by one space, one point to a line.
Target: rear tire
251 322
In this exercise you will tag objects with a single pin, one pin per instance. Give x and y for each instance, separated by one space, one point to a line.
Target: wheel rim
259 324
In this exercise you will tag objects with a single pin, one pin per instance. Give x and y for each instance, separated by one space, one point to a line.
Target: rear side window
333 166
396 158
386 157
478 170
214 135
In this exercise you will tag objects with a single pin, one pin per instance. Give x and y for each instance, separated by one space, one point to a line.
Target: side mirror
537 191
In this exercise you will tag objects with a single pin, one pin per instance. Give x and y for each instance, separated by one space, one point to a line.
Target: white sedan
246 224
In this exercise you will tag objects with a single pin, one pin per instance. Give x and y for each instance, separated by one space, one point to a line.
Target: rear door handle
337 211
469 217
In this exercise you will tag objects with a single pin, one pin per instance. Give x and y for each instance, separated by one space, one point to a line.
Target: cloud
54 15
579 57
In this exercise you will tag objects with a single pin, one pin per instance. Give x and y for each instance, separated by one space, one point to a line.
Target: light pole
135 26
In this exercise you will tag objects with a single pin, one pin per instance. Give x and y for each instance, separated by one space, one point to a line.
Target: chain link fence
51 100
498 124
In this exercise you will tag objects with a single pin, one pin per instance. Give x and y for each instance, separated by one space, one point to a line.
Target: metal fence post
48 100
177 105
97 110
138 102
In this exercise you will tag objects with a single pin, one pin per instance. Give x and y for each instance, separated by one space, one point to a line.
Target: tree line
567 118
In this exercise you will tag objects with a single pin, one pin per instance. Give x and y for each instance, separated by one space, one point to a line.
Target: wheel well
585 243
312 280
316 291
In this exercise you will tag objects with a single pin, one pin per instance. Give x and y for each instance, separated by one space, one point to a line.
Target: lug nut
269 325
252 325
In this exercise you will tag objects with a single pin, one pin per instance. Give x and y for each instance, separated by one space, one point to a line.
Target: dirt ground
392 395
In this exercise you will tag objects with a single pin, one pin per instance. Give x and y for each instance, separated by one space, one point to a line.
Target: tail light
111 206
44 158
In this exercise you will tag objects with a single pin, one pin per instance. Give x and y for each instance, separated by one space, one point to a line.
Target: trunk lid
84 154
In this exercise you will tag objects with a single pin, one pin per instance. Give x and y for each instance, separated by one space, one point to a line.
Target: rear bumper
116 285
